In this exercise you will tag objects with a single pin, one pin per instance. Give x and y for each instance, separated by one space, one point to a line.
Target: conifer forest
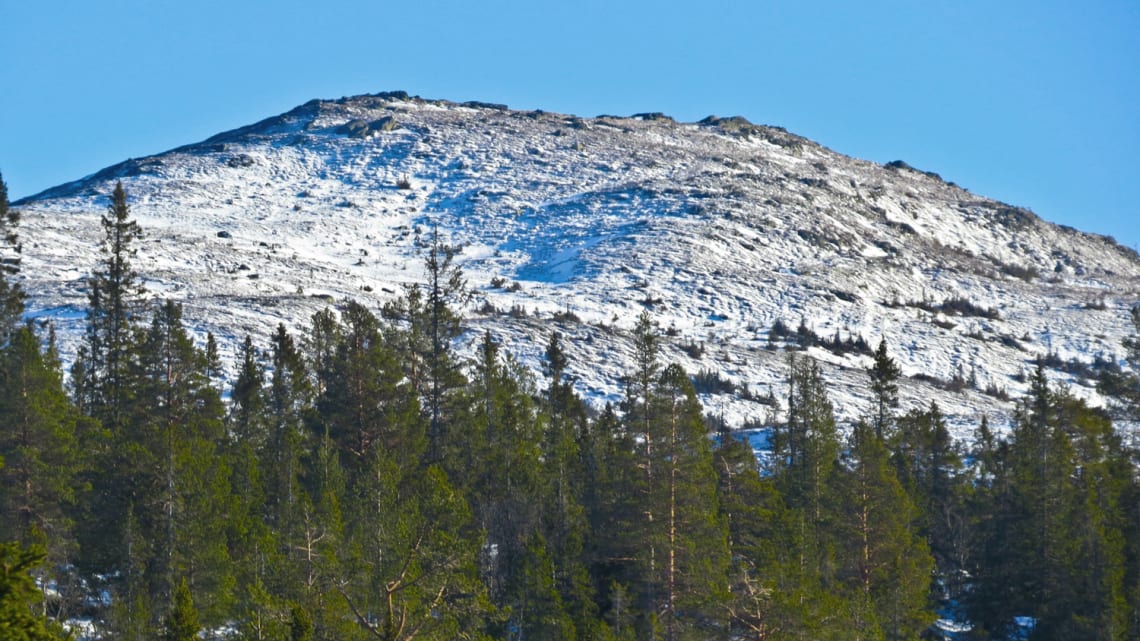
361 480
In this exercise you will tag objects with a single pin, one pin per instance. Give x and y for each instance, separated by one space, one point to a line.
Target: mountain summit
738 238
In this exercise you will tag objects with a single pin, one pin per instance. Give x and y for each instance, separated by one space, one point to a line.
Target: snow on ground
718 232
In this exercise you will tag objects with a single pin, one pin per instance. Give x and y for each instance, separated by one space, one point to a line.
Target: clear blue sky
1034 103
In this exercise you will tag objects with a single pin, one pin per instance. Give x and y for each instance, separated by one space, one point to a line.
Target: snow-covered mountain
721 228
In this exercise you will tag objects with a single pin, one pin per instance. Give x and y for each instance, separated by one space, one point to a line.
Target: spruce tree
247 407
498 463
566 454
929 466
288 403
427 322
41 482
104 364
446 290
365 404
182 487
182 621
884 375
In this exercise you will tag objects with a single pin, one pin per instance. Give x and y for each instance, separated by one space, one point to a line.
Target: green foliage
40 442
20 599
884 375
366 483
11 294
885 563
182 621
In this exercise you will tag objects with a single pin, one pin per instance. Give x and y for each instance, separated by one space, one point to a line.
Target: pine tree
288 402
414 570
757 524
183 493
104 364
886 564
365 404
19 594
11 294
884 375
695 544
930 468
247 406
426 322
41 482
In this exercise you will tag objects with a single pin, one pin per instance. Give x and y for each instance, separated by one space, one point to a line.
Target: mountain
722 229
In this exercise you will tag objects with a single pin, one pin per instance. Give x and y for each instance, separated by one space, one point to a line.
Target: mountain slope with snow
720 228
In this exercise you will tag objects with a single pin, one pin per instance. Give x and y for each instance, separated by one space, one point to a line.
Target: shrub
708 381
693 350
566 316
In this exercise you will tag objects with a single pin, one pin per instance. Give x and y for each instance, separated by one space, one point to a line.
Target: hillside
720 228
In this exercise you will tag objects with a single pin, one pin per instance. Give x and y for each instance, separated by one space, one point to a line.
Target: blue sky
1033 103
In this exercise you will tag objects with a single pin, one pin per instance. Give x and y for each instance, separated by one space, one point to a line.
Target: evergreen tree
182 495
538 610
884 375
11 294
40 445
103 374
426 324
694 544
806 448
497 463
365 404
247 407
445 291
886 564
680 589
182 621
283 462
19 595
806 455
757 533
1123 387
414 570
639 384
566 454
930 468
1053 547
612 503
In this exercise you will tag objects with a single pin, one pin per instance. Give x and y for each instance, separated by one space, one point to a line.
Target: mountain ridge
720 228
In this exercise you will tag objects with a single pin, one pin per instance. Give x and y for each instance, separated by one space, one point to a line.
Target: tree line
364 481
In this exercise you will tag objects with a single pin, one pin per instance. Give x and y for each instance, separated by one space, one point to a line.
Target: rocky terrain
722 229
